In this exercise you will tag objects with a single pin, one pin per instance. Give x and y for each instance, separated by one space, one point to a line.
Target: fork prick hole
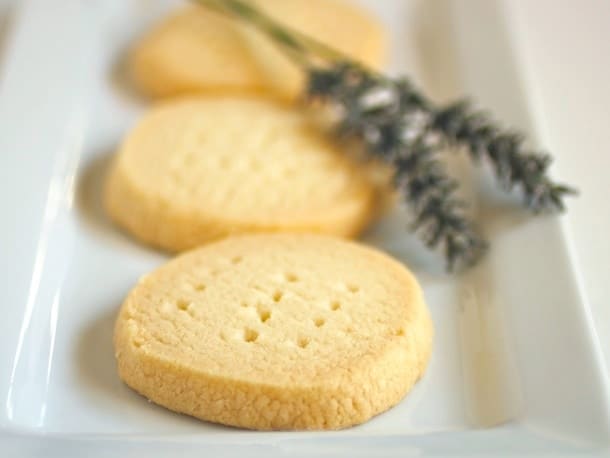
303 342
182 304
291 278
264 315
250 335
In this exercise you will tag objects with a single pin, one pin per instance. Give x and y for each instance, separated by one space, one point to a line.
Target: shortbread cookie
276 331
201 168
197 50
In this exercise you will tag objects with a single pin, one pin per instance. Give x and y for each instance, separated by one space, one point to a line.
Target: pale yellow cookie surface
279 331
201 168
197 50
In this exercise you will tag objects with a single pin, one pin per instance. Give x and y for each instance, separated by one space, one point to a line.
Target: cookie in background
196 50
199 168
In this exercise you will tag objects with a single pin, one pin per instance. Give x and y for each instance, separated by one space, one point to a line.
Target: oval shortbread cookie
197 169
279 331
197 50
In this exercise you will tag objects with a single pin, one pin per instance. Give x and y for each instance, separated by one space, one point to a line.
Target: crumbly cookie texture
196 50
200 168
276 331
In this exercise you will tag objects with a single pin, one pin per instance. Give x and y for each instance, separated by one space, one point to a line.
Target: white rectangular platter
516 368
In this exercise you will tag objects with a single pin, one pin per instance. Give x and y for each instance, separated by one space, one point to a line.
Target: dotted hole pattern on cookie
264 313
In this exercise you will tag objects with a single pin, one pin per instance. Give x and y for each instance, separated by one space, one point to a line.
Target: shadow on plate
89 202
122 83
392 235
437 55
90 192
96 367
496 212
6 19
94 356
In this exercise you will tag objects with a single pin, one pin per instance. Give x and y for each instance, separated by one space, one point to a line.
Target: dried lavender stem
401 126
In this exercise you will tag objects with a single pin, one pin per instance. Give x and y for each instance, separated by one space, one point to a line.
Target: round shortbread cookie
276 331
196 50
198 169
